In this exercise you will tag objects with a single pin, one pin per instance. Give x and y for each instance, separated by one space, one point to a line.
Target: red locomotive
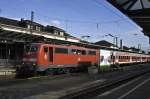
49 57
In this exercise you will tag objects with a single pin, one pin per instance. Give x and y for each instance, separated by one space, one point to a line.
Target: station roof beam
137 10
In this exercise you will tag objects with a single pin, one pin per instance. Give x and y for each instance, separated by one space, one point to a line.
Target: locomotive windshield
31 48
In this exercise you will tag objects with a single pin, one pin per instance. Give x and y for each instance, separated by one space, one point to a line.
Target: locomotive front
30 59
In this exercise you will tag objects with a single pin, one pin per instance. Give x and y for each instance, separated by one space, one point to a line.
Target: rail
97 88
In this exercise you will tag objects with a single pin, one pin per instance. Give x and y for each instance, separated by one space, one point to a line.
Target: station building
14 34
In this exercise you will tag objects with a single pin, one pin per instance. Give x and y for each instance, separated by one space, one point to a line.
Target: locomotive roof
121 50
64 46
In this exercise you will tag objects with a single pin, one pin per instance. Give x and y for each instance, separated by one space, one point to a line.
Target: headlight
34 64
24 59
32 59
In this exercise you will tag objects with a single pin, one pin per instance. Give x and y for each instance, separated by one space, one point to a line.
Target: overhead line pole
32 19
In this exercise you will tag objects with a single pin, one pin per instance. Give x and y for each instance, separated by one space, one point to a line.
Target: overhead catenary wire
107 8
98 25
119 15
82 21
68 22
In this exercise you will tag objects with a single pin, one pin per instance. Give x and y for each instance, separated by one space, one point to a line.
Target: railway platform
58 87
7 72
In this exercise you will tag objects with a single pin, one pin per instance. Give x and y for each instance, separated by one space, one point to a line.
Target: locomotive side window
83 52
79 52
74 51
61 50
91 52
46 49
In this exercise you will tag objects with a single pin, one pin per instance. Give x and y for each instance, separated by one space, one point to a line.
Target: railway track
11 77
13 81
97 88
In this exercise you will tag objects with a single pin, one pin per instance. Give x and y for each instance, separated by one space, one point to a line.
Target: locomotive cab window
27 48
31 48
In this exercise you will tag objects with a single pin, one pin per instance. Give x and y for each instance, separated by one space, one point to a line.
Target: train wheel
67 70
61 71
49 72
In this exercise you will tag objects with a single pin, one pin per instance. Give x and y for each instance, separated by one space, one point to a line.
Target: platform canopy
138 10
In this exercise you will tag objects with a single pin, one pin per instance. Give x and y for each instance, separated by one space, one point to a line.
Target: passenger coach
117 58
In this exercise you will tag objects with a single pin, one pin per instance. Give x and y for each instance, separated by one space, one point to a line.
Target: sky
95 18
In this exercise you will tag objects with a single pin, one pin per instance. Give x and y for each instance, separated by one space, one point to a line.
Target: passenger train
49 58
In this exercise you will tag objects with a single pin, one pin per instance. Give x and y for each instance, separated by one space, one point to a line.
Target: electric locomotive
41 57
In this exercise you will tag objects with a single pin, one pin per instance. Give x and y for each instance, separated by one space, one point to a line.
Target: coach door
50 54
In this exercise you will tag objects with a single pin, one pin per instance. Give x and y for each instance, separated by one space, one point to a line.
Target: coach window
133 57
101 58
61 50
112 57
119 57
